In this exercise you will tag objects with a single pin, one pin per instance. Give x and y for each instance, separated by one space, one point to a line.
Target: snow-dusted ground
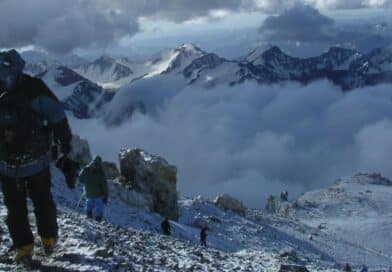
129 239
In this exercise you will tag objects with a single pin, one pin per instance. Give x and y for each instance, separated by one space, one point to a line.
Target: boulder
227 202
111 170
80 150
151 175
129 196
276 206
290 254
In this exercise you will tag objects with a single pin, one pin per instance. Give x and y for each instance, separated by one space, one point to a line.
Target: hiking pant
95 205
15 192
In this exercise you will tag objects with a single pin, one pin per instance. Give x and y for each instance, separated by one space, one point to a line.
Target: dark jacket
37 99
203 235
165 226
94 180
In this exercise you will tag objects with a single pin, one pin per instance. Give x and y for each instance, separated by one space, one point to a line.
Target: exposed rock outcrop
80 150
151 175
111 170
129 196
227 202
275 205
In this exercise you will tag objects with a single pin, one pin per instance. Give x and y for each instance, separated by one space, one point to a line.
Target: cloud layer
61 26
251 140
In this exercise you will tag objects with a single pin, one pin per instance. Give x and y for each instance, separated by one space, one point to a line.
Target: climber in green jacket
93 178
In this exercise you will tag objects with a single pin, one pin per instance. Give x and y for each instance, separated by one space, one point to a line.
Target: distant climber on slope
31 120
347 268
93 178
165 226
364 269
203 237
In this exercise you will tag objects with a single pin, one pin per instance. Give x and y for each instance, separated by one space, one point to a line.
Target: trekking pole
80 201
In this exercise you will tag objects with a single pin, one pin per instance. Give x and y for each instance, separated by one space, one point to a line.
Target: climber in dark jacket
95 188
31 121
347 268
203 237
165 226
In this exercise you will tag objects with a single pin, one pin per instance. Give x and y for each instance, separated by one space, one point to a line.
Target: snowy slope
108 72
130 238
357 209
37 62
79 95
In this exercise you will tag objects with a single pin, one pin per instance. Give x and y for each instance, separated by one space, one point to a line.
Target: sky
228 27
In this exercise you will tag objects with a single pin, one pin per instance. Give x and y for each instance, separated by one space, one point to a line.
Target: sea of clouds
250 140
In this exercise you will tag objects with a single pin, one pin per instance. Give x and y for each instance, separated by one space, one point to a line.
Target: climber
203 237
364 269
165 226
31 121
284 196
95 188
347 268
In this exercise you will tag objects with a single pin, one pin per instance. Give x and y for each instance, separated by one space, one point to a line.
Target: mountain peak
337 50
189 47
274 50
105 59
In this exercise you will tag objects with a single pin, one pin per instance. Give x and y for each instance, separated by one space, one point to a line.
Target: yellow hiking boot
24 257
48 245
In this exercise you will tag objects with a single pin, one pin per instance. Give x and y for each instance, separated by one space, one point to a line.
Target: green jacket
94 180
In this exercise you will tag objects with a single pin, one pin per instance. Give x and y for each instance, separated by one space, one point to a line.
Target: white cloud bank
251 140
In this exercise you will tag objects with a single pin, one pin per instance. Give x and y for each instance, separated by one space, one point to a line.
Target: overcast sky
229 27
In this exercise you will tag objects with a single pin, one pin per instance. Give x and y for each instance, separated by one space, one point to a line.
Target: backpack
24 132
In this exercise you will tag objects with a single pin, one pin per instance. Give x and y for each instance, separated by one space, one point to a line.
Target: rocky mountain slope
239 239
130 241
80 96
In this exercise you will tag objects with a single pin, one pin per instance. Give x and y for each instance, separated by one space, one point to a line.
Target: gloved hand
71 181
66 148
105 199
70 170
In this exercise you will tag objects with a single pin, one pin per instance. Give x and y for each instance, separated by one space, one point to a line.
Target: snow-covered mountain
110 72
344 67
38 62
107 71
80 96
190 65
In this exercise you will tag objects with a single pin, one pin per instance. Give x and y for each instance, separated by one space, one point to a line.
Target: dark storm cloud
300 23
305 24
60 26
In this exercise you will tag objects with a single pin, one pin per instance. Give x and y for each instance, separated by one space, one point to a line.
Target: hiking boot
98 218
24 257
48 245
28 262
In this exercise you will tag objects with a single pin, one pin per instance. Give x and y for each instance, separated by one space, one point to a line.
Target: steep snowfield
130 241
357 210
80 96
110 72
